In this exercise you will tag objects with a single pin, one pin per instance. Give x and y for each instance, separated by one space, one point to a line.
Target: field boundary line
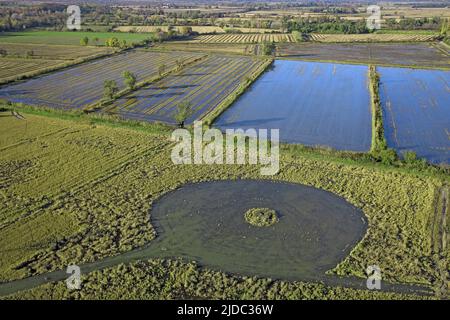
378 139
212 115
364 63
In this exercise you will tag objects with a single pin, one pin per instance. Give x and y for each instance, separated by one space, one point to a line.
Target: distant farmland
82 85
416 111
11 67
204 85
46 51
26 60
243 38
317 104
379 37
68 37
199 29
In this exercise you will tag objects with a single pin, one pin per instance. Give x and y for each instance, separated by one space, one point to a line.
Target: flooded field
82 85
407 54
416 111
204 85
317 104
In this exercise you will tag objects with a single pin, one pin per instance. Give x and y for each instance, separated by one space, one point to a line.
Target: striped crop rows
243 38
11 67
371 37
46 51
204 85
80 86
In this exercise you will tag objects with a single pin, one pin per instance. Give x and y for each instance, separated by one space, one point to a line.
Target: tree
84 41
185 30
184 111
161 69
268 48
129 79
112 42
179 63
444 27
110 89
388 156
409 157
298 36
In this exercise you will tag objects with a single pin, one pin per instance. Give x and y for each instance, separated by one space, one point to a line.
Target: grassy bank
378 139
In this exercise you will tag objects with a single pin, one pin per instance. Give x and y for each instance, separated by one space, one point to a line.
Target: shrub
388 156
129 79
110 89
84 41
261 217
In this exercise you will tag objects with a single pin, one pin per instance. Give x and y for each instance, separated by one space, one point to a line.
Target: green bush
261 217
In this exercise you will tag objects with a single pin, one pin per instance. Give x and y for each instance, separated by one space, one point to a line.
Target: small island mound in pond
261 217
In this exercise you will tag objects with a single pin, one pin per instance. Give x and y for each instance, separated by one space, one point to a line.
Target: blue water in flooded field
316 104
416 111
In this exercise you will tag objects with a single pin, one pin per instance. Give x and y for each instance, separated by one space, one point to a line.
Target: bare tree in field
184 111
161 69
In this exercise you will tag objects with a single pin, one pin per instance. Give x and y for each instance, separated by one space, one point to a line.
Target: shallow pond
206 222
311 103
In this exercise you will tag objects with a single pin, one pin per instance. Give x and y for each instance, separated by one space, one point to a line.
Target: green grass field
80 189
68 37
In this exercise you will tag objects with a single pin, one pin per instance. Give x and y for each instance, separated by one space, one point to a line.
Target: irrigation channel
206 222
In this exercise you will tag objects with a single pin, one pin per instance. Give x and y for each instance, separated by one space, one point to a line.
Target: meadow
316 104
80 86
204 85
60 169
68 37
416 114
47 51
